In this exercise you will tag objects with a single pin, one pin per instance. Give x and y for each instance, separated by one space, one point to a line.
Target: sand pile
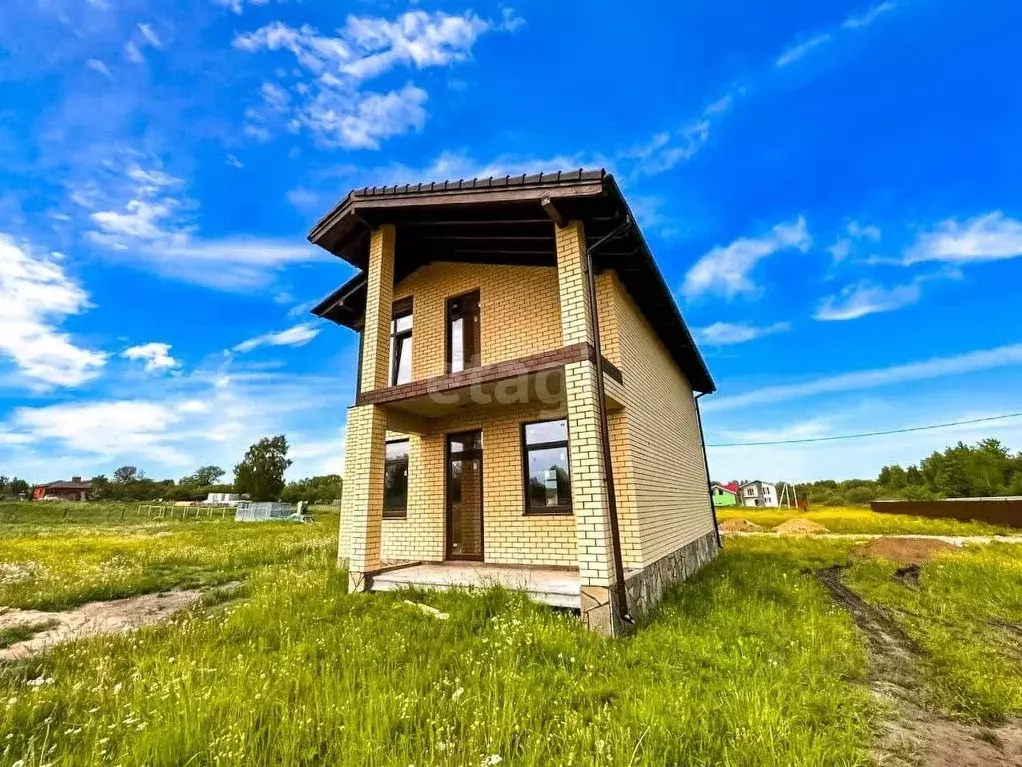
799 526
906 551
739 526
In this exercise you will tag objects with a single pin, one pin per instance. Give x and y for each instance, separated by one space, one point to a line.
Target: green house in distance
724 495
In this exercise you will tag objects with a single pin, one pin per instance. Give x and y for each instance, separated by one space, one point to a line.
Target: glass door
465 496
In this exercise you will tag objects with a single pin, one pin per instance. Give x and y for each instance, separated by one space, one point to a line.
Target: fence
164 510
996 511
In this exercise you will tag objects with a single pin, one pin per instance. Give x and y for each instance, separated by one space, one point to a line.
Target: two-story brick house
483 431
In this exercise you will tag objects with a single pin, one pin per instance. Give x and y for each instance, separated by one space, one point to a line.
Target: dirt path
93 619
917 736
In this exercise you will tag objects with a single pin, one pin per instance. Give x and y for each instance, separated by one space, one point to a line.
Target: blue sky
831 189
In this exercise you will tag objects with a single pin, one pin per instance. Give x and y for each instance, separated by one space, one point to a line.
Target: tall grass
748 664
966 614
860 520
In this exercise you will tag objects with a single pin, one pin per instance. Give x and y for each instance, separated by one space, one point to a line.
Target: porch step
546 585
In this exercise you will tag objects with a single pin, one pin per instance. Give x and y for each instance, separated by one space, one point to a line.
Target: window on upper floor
463 350
545 462
395 479
750 492
401 342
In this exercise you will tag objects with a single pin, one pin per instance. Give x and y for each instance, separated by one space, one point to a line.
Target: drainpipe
706 465
615 530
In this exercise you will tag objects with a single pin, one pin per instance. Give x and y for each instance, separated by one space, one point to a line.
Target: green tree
101 490
204 476
18 486
125 474
323 489
260 475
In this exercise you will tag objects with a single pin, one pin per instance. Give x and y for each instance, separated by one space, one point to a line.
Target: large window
395 487
545 462
463 332
401 342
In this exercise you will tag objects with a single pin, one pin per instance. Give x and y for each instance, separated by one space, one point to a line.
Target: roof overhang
509 220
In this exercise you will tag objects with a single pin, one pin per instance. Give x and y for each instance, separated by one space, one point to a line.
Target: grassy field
843 519
750 663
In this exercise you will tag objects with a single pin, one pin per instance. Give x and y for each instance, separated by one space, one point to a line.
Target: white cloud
233 161
725 270
238 5
141 216
856 232
937 367
36 294
299 335
865 297
867 18
328 100
155 355
860 232
98 66
145 36
808 429
193 406
150 35
795 52
133 53
105 428
725 333
989 237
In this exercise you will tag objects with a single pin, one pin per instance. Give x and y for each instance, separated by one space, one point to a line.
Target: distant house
75 490
724 495
757 493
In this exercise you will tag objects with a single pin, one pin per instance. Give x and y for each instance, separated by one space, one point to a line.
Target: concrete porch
557 587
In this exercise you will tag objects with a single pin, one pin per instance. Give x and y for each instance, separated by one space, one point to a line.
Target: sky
830 189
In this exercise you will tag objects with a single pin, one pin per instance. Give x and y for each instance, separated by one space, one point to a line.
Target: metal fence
170 511
247 511
996 511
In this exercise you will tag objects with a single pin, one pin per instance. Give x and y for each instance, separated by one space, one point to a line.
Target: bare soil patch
92 619
739 526
917 736
905 551
799 526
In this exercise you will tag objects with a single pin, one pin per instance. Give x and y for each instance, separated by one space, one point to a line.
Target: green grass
966 614
55 567
860 520
14 634
749 663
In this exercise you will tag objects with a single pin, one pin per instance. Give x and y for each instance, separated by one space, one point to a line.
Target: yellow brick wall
509 536
379 288
362 500
662 496
607 286
519 311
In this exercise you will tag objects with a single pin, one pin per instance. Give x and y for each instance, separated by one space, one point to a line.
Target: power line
869 433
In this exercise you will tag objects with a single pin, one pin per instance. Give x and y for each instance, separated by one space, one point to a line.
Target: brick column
588 480
362 500
379 302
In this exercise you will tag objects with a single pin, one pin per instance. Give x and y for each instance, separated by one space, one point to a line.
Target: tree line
259 476
987 468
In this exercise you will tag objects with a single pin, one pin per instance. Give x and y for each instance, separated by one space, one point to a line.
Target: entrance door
465 496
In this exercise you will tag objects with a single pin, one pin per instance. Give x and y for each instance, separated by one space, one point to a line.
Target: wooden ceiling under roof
509 220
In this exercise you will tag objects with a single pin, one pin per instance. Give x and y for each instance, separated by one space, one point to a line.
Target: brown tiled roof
507 220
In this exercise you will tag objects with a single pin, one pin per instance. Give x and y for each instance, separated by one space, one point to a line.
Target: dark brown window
395 486
463 332
401 342
545 465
